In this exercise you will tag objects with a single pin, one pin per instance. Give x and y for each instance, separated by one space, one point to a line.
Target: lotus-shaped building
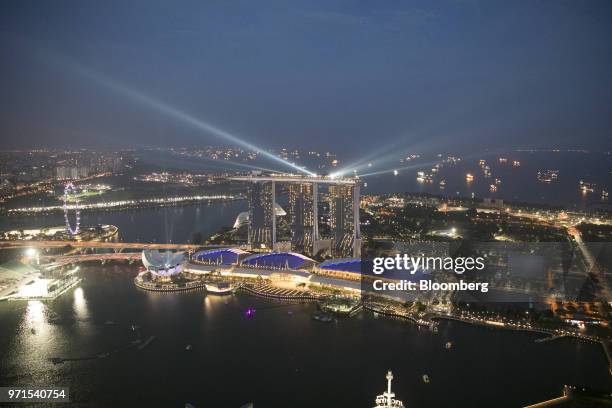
163 265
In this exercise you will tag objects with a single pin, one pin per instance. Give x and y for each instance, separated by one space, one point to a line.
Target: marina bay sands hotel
344 238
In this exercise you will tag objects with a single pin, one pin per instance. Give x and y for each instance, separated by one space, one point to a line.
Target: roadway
64 260
591 262
104 245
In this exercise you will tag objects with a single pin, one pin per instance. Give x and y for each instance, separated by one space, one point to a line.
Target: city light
260 186
126 203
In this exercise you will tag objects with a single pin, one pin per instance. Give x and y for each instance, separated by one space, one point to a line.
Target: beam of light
386 153
425 164
371 160
223 164
398 169
359 164
179 115
420 140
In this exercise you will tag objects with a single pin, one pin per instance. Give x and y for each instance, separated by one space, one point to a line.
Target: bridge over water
63 260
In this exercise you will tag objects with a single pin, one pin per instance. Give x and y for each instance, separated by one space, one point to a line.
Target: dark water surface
165 224
518 184
278 358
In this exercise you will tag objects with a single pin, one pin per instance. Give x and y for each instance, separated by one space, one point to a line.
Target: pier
390 311
551 338
168 287
566 396
273 292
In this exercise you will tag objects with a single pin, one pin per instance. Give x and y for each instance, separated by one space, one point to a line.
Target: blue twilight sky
351 75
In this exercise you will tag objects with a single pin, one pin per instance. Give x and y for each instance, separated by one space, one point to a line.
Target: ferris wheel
70 191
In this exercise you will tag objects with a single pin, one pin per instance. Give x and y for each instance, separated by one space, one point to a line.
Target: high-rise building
74 172
62 172
344 219
262 222
341 216
302 216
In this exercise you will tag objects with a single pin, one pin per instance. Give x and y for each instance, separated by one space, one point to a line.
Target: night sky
337 75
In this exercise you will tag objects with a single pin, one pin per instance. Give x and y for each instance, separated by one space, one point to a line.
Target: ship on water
387 399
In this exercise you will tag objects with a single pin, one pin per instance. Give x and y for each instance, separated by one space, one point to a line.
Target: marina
188 314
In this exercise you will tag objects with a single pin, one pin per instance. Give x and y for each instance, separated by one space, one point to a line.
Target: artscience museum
163 265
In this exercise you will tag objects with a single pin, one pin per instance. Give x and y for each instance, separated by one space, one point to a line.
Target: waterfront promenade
313 285
104 245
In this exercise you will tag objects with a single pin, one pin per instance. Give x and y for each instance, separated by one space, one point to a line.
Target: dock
274 292
550 338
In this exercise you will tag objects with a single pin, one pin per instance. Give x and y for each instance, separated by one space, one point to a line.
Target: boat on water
188 347
146 343
448 345
220 288
425 378
387 398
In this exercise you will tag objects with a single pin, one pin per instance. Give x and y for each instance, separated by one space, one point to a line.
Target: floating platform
220 288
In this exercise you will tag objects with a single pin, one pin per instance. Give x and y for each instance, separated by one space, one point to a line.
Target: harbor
100 334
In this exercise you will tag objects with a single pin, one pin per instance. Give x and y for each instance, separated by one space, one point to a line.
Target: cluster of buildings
82 167
22 172
232 153
344 238
175 271
184 178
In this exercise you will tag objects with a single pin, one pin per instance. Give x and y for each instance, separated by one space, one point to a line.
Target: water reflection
35 314
79 305
300 352
35 332
213 303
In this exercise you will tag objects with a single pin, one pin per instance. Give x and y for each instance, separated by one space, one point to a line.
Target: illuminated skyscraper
302 216
262 226
344 219
303 213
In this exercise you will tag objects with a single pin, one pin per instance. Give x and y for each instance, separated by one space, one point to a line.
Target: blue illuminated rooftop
342 264
290 260
222 256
